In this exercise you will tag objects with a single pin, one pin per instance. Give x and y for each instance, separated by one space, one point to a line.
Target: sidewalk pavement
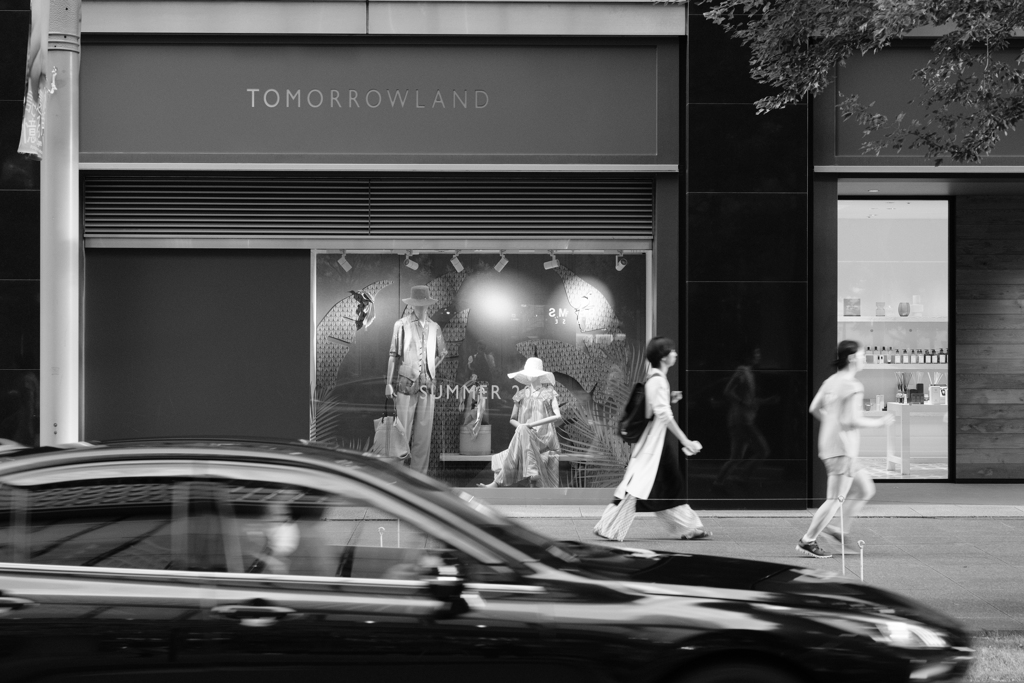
964 559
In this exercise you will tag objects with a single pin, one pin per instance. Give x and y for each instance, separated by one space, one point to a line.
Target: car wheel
738 673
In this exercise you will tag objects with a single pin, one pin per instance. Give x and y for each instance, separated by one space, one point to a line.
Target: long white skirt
681 521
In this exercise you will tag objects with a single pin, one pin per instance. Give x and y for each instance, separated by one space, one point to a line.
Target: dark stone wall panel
718 67
728 319
19 234
733 149
16 170
19 324
769 485
748 237
14 28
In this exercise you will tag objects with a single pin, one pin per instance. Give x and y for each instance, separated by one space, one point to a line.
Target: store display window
449 329
893 298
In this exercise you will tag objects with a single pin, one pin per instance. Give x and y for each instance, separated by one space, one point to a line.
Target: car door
329 576
95 582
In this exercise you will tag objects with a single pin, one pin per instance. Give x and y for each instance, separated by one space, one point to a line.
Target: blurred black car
231 561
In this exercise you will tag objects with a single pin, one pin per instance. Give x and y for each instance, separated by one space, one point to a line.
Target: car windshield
479 514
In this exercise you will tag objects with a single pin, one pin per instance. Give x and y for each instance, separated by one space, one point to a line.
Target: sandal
698 535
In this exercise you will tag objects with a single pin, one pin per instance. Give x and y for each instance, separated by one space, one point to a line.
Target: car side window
290 530
152 523
126 523
7 536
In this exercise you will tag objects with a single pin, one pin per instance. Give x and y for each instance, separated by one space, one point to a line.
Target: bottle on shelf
904 357
932 355
943 356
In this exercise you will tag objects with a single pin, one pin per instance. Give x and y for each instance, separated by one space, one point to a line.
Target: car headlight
903 634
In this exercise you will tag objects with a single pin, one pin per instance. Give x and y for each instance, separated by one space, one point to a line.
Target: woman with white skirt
654 480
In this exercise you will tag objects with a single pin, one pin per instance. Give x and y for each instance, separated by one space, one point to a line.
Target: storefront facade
921 263
566 181
266 203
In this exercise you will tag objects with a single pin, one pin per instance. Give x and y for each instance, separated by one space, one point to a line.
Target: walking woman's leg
862 490
616 520
838 486
682 522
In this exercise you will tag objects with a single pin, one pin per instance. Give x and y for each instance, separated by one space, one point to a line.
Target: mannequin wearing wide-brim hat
417 349
532 454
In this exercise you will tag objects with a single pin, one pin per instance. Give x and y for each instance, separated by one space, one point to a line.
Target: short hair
846 348
658 348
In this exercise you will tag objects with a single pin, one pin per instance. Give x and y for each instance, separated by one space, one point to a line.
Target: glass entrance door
893 298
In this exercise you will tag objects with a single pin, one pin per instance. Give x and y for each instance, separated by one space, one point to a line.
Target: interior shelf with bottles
892 319
906 366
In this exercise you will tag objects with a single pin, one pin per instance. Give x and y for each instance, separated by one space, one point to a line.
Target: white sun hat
533 369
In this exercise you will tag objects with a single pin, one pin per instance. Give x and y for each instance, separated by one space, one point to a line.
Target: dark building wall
746 281
188 342
886 79
19 239
989 346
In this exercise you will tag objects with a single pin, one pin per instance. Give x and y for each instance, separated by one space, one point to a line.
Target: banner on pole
31 142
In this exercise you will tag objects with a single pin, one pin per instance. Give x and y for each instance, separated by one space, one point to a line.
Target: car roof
265 451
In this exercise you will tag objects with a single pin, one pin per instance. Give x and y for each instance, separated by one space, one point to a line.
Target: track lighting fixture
456 263
409 263
620 262
343 262
502 262
553 263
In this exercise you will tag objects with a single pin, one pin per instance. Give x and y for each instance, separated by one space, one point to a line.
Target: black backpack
634 421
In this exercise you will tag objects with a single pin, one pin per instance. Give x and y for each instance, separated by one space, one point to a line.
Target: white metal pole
842 533
860 544
60 242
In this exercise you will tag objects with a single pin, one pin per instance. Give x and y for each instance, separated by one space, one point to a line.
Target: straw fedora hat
419 296
533 369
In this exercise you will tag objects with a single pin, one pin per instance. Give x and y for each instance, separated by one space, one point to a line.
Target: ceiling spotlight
409 263
456 263
553 263
343 262
620 262
502 262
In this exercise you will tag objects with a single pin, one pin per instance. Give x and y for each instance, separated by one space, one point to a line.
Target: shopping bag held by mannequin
389 437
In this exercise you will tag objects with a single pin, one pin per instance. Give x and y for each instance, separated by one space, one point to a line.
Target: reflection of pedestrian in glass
747 444
839 406
481 363
533 452
654 481
23 424
277 536
417 347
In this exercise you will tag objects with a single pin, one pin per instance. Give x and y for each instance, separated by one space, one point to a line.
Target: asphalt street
966 560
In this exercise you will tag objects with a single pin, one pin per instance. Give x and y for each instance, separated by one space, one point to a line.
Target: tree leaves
973 85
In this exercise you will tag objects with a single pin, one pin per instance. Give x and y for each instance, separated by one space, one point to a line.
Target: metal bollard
842 533
860 544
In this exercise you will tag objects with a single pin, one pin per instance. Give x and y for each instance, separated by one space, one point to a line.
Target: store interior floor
950 493
923 469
